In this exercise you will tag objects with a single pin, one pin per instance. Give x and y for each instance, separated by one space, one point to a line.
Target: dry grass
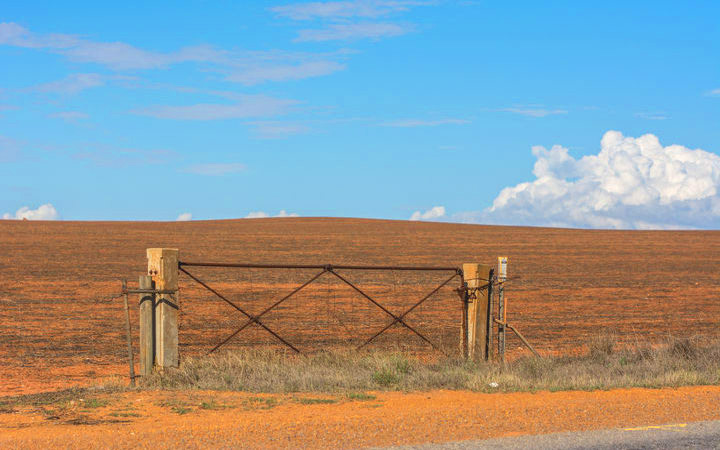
676 362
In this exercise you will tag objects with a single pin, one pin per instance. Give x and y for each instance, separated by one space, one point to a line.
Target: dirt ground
57 330
237 420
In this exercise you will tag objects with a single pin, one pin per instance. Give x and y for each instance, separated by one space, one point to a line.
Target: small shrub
94 403
180 410
385 377
316 401
209 405
361 396
602 346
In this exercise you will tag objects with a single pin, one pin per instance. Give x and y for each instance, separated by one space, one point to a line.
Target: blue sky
436 110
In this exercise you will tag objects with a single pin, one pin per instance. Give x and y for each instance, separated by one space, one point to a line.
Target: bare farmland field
56 331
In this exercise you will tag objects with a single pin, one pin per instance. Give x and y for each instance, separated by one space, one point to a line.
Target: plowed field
56 329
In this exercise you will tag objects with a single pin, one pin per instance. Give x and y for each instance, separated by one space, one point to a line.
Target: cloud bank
411 123
184 217
263 214
631 183
216 169
344 9
434 213
44 212
246 67
349 20
247 106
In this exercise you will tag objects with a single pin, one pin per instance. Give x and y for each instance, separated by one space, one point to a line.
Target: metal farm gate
331 271
457 320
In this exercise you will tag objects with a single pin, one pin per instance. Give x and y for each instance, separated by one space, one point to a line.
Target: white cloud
70 116
348 20
630 183
353 31
106 155
247 67
652 116
344 9
714 93
263 214
434 213
184 217
248 106
10 149
283 72
409 123
534 112
216 169
275 129
4 108
43 212
72 84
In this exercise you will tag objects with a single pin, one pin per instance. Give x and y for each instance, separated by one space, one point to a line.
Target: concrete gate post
163 268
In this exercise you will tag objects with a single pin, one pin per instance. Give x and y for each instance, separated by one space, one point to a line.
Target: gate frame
476 293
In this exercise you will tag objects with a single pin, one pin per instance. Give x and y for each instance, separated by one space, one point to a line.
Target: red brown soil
572 285
236 420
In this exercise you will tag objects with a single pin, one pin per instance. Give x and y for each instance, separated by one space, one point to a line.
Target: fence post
163 268
464 324
147 327
131 359
502 312
477 277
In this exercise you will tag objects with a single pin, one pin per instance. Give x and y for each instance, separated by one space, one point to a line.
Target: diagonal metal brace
397 319
249 316
402 316
267 310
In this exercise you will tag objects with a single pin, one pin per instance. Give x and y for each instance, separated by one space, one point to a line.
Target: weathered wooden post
163 268
128 330
502 312
478 279
147 326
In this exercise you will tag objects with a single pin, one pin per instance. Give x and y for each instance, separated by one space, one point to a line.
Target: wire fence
306 308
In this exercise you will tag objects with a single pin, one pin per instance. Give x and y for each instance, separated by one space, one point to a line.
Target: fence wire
306 310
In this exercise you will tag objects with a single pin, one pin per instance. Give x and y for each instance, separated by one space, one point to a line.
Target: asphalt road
698 435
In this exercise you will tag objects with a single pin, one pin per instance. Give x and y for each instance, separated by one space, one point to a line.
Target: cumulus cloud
216 169
263 214
184 217
630 183
43 212
434 213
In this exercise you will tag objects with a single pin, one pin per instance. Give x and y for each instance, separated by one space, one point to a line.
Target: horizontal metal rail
318 266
